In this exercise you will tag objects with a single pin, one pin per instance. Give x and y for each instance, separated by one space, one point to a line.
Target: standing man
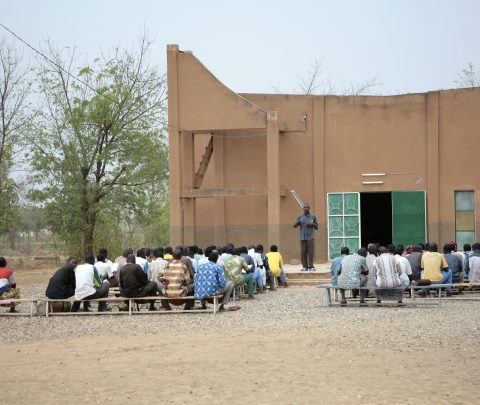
308 223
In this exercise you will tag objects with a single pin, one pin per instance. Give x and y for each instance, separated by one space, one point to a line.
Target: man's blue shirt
337 262
209 280
306 232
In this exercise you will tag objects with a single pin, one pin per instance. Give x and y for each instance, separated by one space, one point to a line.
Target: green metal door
408 217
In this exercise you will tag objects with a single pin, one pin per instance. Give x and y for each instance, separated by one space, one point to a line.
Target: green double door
344 220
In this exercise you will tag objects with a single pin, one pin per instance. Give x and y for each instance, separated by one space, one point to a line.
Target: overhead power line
50 60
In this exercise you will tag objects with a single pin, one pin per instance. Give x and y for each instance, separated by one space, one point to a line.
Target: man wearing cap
308 224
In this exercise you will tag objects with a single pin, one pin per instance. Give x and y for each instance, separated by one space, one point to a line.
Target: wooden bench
131 306
462 287
33 306
395 292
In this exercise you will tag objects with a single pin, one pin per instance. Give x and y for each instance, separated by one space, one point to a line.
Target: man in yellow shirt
275 263
435 267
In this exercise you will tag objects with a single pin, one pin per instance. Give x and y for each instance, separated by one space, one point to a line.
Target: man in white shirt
204 259
257 259
104 252
156 268
227 253
89 286
104 269
141 260
404 264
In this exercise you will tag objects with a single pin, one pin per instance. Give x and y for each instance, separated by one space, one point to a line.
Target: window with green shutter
464 217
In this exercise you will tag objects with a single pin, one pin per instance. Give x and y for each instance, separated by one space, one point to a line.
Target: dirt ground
243 368
233 366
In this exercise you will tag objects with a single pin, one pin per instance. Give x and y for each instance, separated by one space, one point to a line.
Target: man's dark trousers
307 249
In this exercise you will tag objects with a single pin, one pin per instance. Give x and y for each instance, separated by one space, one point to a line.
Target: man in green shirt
233 271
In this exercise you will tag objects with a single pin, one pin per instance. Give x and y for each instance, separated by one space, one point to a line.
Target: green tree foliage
98 143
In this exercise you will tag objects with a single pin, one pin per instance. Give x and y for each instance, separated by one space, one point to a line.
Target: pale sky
254 46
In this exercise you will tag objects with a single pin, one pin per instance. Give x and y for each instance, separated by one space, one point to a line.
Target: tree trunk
11 238
90 220
88 239
87 226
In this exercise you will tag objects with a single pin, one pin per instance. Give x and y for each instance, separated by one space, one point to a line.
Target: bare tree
355 89
14 89
313 83
468 78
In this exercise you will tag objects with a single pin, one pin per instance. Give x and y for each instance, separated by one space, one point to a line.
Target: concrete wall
314 145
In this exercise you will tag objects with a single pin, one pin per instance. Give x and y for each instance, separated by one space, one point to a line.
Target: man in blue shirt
210 280
308 224
337 263
253 269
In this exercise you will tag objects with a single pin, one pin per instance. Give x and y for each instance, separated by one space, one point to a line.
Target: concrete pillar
176 216
433 188
219 231
187 153
477 216
319 196
273 178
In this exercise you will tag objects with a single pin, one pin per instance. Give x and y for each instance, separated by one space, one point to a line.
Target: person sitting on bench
134 283
353 274
177 282
89 286
210 280
8 284
62 284
233 272
388 272
435 268
472 267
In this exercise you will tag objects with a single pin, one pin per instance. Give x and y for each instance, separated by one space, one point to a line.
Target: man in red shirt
8 284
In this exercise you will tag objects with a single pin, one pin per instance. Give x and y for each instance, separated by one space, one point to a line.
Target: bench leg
130 306
215 302
328 297
440 297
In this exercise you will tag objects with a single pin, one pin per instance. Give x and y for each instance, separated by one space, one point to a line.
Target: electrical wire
40 53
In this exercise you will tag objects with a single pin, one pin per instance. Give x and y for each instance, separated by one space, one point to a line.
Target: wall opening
376 218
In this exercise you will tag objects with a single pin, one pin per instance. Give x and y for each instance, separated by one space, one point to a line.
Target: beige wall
318 145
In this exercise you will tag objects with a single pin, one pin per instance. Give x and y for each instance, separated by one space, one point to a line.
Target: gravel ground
456 324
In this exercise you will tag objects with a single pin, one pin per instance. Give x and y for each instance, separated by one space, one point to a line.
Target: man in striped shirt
387 271
178 282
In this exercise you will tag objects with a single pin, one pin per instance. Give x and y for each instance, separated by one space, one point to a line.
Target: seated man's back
62 284
351 268
132 279
177 276
275 261
387 271
209 280
233 269
432 264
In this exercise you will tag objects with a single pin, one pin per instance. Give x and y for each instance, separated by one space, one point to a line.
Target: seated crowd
186 271
396 267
